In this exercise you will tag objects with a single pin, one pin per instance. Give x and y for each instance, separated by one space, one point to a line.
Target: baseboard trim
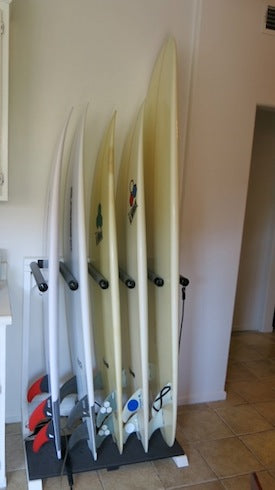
202 398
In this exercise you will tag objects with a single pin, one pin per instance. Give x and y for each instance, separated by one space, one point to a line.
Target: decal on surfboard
99 225
132 200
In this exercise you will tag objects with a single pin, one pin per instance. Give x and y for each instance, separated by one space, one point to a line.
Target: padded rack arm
155 278
184 281
38 276
126 279
68 277
97 276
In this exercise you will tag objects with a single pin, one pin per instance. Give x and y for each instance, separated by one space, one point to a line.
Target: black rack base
44 464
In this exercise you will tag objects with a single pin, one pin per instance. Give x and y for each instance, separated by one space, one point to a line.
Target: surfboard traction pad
45 464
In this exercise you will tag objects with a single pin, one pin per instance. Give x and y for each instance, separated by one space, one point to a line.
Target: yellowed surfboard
130 207
105 300
161 199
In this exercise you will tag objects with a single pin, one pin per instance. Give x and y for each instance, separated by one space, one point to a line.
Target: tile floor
224 441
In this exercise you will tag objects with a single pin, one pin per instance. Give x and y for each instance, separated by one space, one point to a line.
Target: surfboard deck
78 301
50 381
161 198
105 302
130 207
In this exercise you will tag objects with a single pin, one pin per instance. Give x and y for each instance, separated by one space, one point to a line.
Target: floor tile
243 419
228 457
258 391
201 425
262 445
267 410
215 485
251 338
82 481
192 407
232 399
17 480
196 472
265 351
142 476
239 371
13 428
14 452
243 482
261 368
245 353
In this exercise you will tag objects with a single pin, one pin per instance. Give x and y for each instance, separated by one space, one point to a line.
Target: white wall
234 72
259 228
65 53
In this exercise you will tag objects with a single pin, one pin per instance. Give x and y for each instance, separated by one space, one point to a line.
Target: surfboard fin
80 410
156 423
106 409
41 385
42 412
79 434
163 398
132 405
43 436
131 426
68 388
98 383
105 430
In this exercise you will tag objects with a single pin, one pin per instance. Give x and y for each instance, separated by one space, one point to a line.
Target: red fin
42 437
41 412
39 386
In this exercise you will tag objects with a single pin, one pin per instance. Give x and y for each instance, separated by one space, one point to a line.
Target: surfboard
130 207
161 199
78 301
50 381
105 299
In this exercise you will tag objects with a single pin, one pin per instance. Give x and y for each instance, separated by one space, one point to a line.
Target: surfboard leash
184 283
66 463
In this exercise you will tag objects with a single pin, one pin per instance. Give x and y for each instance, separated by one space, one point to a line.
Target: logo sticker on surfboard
99 225
132 200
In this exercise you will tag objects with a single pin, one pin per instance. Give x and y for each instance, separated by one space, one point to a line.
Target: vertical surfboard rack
44 464
155 278
39 278
42 283
127 280
97 276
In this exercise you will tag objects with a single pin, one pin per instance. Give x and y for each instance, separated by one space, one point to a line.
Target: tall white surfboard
50 407
78 301
105 302
130 207
161 184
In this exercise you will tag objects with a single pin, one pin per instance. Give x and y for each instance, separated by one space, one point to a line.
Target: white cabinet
5 319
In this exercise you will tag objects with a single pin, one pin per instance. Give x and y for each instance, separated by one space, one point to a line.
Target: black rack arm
67 276
184 281
97 276
38 276
126 279
155 278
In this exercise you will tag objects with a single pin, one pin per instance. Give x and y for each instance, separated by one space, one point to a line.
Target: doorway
255 294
